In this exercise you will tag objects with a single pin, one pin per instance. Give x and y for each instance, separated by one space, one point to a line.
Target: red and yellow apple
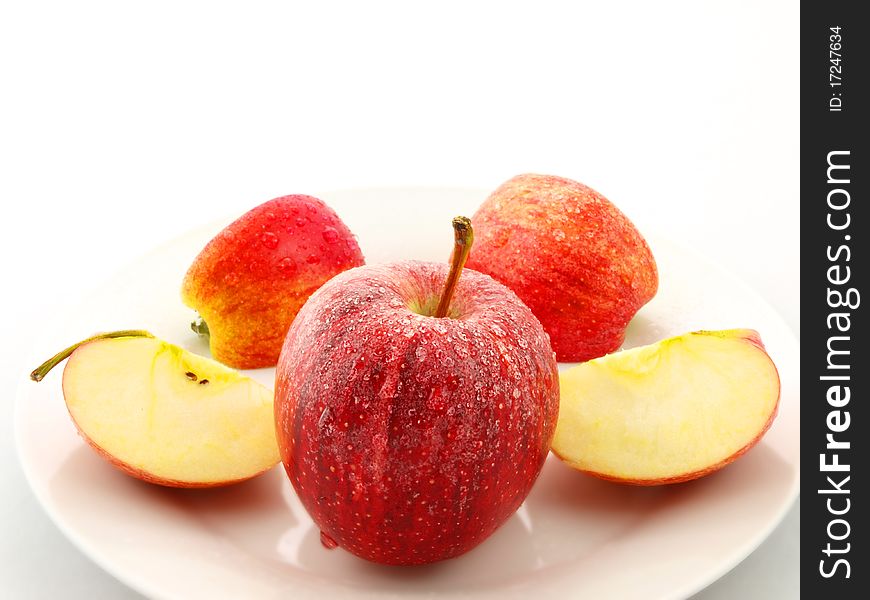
249 282
578 263
165 415
414 410
669 412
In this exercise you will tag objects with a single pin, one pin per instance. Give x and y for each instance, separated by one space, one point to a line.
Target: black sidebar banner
835 222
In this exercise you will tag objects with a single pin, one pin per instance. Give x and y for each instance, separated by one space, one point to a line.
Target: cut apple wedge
165 415
668 412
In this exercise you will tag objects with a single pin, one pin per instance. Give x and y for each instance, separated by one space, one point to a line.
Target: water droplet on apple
231 278
523 343
312 259
436 403
269 240
330 235
324 416
559 235
254 264
300 221
500 237
516 392
327 541
420 353
287 265
395 302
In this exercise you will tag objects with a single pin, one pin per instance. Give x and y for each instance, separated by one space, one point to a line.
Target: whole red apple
571 256
411 437
249 282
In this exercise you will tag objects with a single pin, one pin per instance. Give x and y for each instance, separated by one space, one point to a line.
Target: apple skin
249 282
570 255
408 438
753 338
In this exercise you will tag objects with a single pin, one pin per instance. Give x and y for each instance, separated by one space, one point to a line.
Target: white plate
574 536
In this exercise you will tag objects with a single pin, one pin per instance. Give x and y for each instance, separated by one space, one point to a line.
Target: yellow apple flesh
167 416
668 412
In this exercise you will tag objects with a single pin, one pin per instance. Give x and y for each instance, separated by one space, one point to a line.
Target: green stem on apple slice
463 238
43 369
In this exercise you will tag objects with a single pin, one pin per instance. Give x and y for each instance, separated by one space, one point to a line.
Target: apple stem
463 238
43 369
199 326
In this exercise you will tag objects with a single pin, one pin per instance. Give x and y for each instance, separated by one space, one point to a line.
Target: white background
123 125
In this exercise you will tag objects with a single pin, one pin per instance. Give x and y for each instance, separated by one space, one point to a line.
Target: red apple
413 420
249 282
571 256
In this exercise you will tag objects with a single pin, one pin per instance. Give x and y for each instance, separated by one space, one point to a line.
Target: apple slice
668 412
165 415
